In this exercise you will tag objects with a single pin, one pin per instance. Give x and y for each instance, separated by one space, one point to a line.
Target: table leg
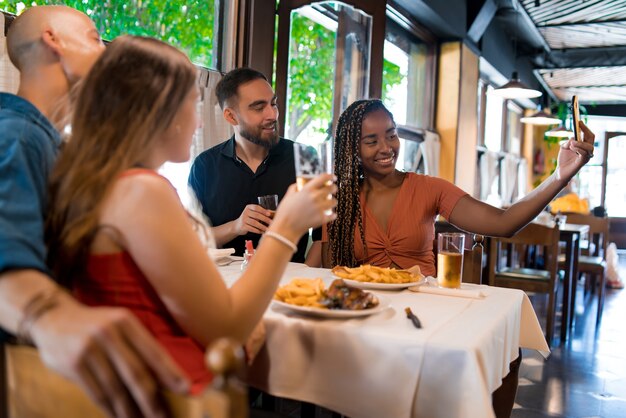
567 280
576 253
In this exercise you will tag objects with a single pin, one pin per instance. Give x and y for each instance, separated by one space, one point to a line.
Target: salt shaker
247 255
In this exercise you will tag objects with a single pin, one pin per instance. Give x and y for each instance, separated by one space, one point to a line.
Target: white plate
383 286
216 253
383 303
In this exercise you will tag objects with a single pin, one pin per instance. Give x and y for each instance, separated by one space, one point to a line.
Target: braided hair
349 172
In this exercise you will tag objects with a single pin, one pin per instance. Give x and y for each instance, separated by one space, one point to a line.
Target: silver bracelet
282 239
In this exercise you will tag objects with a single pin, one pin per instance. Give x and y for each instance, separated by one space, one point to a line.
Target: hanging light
560 132
541 118
515 89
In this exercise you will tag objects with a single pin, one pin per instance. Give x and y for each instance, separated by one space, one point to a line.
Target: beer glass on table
450 248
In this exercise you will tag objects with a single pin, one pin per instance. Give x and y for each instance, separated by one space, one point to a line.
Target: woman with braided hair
386 217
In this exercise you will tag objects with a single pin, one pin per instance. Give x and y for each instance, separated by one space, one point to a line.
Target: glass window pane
188 25
325 37
590 185
616 173
406 70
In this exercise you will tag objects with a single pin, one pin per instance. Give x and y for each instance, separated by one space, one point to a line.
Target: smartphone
576 118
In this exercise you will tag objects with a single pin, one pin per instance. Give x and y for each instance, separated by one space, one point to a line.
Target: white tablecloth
382 366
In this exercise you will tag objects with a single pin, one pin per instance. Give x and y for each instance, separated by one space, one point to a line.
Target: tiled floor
586 377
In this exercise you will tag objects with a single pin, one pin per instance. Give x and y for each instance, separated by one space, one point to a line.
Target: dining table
382 365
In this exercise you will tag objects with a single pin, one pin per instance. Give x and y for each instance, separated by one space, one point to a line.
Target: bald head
44 34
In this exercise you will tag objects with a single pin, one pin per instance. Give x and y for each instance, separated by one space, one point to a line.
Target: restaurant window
494 118
408 79
190 25
500 142
328 67
610 132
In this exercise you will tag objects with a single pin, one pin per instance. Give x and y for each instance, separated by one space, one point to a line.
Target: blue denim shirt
28 149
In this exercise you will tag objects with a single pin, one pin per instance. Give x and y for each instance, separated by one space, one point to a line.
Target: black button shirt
224 185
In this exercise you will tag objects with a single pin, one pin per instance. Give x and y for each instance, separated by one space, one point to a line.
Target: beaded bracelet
282 239
38 305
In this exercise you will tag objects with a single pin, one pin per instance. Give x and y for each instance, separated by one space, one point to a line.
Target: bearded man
255 161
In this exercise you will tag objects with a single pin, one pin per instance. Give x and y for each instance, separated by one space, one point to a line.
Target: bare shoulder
140 193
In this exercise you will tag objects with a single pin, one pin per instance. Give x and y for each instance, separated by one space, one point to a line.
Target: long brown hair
131 94
350 176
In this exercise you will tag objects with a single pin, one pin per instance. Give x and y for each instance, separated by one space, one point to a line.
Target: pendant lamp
560 132
541 118
515 89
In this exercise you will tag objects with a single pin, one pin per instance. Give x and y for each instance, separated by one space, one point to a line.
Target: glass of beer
269 202
450 259
311 161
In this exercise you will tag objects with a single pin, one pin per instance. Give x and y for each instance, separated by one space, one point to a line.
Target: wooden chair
513 270
473 253
31 390
592 260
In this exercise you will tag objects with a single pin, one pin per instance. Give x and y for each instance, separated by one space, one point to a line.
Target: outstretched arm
478 217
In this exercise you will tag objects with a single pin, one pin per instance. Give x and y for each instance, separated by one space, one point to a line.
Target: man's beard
257 138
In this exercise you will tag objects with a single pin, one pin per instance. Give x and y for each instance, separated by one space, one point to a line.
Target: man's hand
253 219
110 355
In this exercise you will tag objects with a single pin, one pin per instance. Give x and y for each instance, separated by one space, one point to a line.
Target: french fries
302 292
373 274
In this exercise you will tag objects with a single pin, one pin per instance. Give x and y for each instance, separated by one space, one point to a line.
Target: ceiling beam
513 14
583 57
482 20
570 24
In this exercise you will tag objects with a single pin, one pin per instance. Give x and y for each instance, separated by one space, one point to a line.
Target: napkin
461 293
216 253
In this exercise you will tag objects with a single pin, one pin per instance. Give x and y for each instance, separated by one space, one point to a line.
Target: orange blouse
408 239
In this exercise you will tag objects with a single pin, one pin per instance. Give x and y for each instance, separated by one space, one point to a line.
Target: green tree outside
187 25
312 76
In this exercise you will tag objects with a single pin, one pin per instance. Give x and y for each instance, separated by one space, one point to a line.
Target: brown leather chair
592 260
30 390
513 270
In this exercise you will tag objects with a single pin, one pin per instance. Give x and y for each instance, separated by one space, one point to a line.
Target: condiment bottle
247 255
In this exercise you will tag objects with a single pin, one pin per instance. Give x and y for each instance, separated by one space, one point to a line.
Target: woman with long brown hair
386 217
117 230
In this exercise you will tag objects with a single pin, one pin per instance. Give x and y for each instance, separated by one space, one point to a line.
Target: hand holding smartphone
576 119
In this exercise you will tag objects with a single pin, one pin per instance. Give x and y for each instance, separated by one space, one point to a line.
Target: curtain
522 172
215 129
509 178
431 149
488 168
9 76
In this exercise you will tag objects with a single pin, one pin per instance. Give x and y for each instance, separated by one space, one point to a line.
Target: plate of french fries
311 297
367 276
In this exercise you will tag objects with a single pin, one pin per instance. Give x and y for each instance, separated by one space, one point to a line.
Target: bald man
104 350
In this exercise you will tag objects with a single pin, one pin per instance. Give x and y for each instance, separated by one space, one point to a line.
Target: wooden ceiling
587 40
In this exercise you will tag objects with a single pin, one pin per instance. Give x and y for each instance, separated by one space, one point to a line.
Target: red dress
115 280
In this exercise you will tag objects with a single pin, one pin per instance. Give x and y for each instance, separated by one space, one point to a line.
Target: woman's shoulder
142 185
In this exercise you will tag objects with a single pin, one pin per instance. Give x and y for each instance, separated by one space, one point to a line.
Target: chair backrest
598 231
524 243
30 389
